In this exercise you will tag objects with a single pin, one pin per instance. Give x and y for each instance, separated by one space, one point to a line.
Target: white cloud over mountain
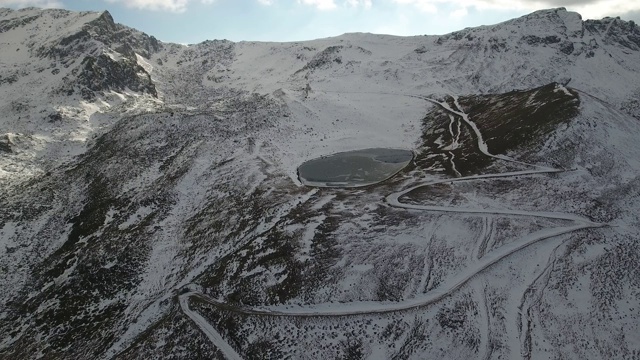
36 3
588 8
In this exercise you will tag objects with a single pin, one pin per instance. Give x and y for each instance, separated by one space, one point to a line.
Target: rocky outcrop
102 73
616 31
123 39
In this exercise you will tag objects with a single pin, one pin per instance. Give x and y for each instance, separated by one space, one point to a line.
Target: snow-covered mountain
151 206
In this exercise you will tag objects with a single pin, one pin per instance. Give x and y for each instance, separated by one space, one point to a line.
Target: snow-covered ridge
60 72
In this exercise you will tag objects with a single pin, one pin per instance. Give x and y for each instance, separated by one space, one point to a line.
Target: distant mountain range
150 204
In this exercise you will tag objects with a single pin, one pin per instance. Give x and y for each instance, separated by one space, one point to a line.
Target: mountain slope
60 72
151 207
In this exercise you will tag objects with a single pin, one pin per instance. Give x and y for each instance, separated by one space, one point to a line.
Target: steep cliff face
59 41
151 209
60 71
109 52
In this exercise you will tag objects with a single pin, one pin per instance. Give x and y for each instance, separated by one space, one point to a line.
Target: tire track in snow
455 135
531 297
454 145
452 157
486 234
484 320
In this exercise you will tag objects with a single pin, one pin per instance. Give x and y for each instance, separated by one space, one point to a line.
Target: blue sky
191 21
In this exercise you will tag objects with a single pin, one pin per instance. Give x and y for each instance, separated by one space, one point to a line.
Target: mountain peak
557 21
105 21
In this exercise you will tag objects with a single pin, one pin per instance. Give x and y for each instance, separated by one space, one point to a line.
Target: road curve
433 296
394 199
214 336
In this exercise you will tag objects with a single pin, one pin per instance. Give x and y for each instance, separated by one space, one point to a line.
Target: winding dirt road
445 289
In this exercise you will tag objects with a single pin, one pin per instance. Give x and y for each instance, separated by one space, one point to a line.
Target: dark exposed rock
127 51
536 40
102 73
324 58
567 47
55 117
616 31
105 30
6 25
8 79
5 144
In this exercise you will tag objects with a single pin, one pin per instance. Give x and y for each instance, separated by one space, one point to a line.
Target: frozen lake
354 168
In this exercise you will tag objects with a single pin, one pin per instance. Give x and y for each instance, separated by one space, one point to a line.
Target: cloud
320 4
459 13
631 15
599 9
428 6
594 9
27 3
367 4
397 24
177 6
331 4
